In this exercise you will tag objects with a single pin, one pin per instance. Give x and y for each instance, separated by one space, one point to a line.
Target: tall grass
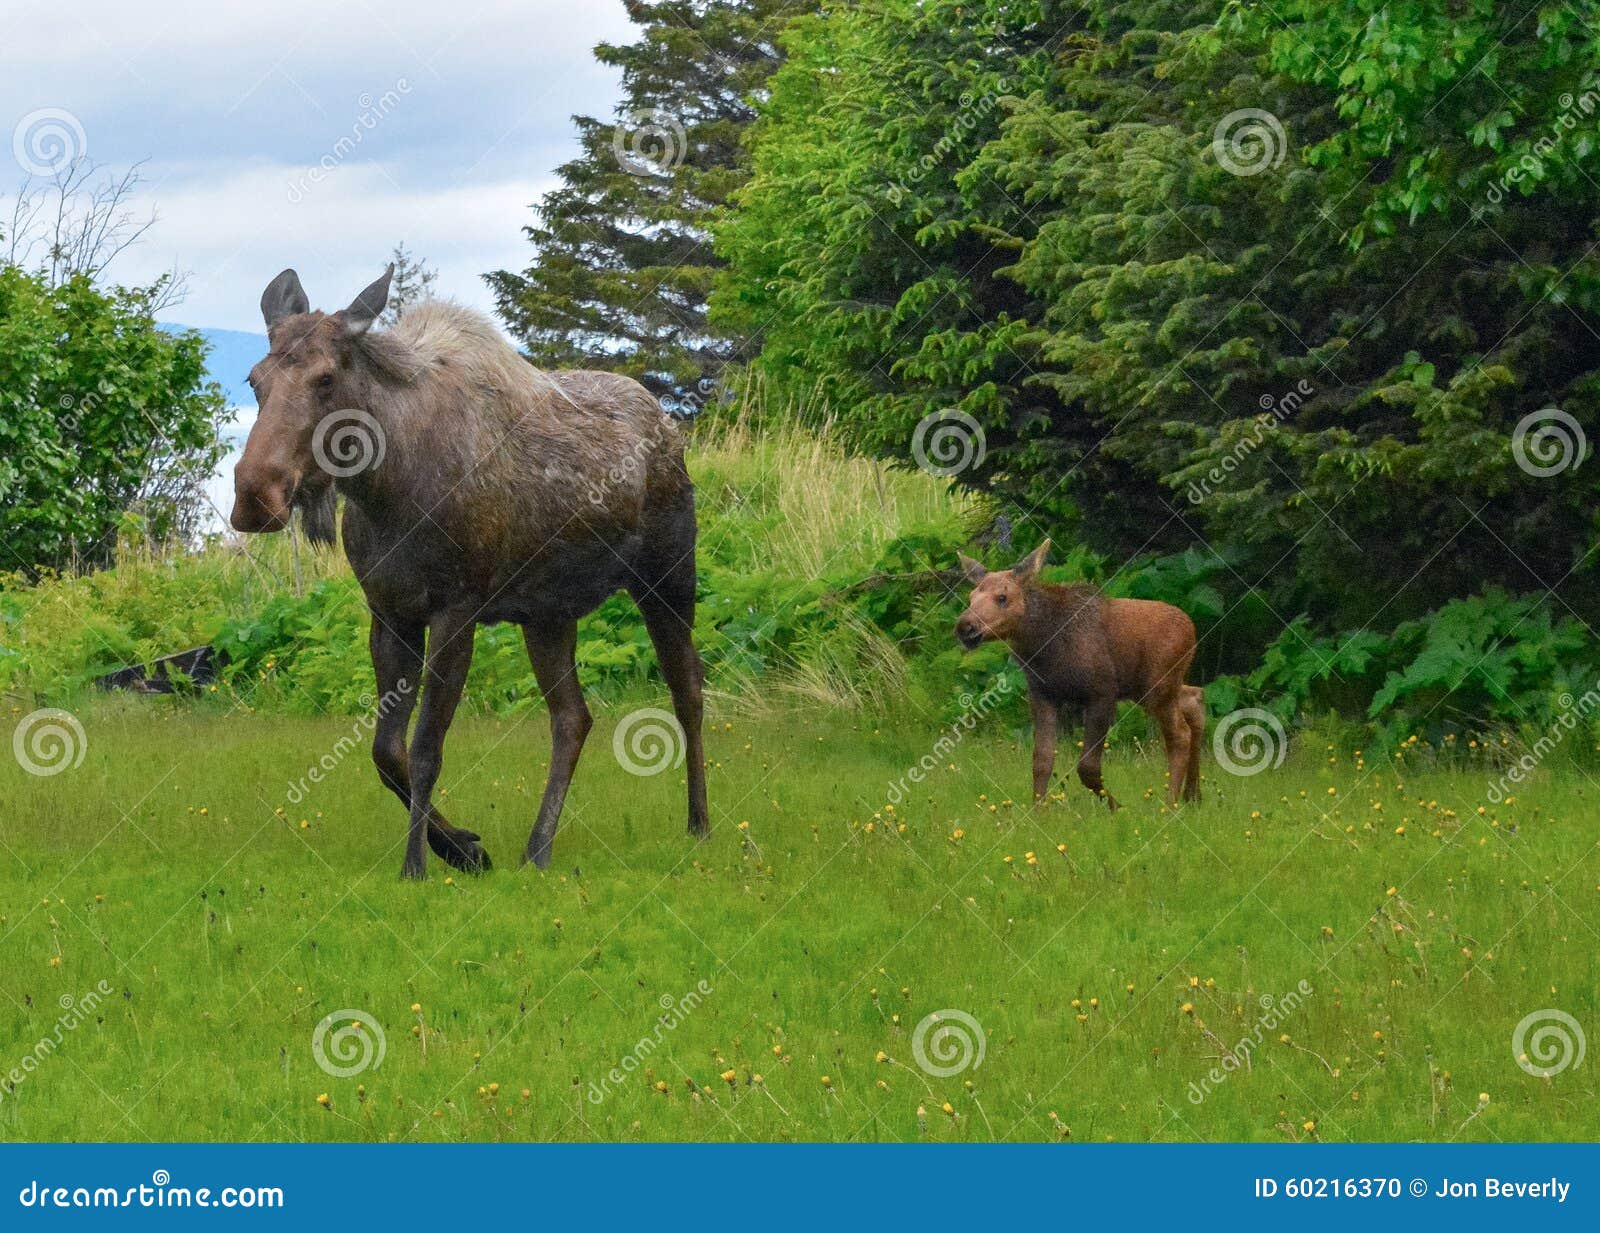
799 503
780 503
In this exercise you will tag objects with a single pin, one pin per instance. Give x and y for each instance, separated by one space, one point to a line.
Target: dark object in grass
191 669
478 489
1078 647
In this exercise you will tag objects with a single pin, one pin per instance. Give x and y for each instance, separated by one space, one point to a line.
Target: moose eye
325 382
1000 601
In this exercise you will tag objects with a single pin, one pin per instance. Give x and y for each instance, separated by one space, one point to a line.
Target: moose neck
391 403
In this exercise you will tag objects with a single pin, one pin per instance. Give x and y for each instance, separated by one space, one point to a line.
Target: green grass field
805 948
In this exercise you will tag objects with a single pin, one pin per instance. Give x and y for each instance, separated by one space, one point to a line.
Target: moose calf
1081 648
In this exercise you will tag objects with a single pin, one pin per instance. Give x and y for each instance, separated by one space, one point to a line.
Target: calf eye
326 383
1000 601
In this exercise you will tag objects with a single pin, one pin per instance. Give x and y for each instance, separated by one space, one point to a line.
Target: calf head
999 598
305 378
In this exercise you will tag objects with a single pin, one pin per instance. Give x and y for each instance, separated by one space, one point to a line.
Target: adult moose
1077 647
478 489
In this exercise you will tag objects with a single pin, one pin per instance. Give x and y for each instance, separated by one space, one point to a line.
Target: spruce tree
623 261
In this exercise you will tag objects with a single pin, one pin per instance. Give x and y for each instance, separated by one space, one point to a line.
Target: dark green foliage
1308 377
310 651
1490 655
623 263
102 414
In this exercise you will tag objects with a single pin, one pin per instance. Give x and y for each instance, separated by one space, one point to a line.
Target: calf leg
397 660
1175 736
445 673
1046 731
1097 719
1193 705
551 652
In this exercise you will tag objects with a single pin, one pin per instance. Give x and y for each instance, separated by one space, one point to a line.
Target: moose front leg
1046 729
444 674
1098 717
397 664
397 661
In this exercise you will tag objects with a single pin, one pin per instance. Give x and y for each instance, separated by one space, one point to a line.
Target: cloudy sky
311 134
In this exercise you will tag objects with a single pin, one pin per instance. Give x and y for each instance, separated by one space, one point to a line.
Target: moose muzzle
261 498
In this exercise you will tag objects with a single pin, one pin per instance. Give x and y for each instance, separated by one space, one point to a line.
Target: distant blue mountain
231 356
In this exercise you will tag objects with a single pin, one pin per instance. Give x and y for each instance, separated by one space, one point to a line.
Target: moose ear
284 297
1031 564
367 306
975 571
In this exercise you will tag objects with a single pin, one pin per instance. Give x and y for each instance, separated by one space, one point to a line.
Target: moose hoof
460 850
413 871
538 857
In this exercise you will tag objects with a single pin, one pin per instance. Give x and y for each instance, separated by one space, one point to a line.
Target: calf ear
367 306
975 571
1031 564
284 297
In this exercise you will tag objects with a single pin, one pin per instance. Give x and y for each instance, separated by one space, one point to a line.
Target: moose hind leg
671 625
552 653
1193 705
1097 719
1175 736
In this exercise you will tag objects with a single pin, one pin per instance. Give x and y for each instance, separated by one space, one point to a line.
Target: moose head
999 598
304 387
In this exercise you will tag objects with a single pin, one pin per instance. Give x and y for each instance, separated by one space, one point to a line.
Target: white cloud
235 232
232 104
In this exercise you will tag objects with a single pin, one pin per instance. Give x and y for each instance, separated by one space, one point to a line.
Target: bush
102 413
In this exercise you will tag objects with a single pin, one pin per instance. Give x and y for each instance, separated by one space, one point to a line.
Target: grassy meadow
1340 947
1108 961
